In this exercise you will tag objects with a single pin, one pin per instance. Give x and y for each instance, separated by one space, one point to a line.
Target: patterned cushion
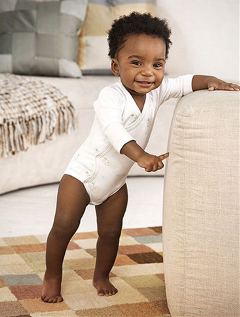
40 37
93 47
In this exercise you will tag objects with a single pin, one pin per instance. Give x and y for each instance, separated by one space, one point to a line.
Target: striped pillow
93 47
40 37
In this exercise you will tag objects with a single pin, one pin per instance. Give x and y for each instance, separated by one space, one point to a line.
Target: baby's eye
158 65
136 63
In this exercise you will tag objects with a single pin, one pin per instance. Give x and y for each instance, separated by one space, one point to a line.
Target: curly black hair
137 23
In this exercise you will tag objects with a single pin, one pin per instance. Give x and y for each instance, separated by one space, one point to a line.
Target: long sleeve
174 88
109 109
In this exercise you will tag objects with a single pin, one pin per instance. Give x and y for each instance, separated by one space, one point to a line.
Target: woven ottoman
201 207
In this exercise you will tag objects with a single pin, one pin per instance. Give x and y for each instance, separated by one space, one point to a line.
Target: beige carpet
137 273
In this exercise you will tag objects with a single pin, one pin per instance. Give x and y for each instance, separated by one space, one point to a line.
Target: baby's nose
147 71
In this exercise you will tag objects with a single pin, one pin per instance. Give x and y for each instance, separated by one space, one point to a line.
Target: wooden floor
31 211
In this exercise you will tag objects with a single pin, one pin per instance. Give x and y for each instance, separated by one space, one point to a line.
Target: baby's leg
71 203
109 219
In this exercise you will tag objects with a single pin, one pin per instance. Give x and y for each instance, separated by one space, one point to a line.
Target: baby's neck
139 100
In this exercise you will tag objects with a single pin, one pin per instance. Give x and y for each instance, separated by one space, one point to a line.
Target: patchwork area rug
137 273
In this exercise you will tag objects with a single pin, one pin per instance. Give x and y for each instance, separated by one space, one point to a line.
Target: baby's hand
218 84
152 163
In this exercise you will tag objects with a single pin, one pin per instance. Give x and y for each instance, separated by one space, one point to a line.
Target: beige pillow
93 47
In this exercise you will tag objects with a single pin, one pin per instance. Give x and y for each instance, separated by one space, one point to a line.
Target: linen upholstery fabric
40 37
201 207
93 47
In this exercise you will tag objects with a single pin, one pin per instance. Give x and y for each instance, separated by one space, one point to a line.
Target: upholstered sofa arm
201 207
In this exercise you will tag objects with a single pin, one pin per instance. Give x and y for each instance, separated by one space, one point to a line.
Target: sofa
201 207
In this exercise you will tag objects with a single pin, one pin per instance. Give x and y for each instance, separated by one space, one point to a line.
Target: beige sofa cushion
201 207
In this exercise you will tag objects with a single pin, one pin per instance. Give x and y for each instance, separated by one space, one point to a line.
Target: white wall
205 36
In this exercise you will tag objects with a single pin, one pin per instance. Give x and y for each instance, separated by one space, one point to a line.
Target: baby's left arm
212 83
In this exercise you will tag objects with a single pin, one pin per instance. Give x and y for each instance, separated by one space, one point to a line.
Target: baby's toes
59 299
113 291
101 292
54 300
45 299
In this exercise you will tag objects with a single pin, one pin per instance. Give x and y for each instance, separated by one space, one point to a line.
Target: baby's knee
109 235
64 228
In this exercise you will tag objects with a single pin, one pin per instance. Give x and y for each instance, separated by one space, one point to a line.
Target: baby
125 113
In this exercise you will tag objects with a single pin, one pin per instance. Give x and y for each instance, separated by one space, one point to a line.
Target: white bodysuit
98 163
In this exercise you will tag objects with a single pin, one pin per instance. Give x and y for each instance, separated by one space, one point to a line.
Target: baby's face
140 63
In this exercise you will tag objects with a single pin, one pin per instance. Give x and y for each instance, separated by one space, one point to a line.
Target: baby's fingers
234 87
160 165
224 86
164 156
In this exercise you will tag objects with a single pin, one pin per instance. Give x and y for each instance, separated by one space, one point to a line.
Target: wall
205 36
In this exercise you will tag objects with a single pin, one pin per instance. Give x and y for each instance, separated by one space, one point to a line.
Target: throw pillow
93 47
40 37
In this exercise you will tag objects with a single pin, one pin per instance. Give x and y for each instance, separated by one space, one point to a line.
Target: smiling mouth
144 83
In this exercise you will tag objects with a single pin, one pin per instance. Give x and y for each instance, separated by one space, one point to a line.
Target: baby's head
138 48
136 24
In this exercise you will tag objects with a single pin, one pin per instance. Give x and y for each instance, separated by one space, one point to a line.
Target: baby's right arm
151 163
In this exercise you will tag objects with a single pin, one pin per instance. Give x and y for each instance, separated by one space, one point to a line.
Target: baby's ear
115 67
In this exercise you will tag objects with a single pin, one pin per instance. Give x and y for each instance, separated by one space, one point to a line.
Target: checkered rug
137 273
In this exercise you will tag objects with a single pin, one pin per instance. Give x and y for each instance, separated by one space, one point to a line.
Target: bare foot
104 287
51 291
